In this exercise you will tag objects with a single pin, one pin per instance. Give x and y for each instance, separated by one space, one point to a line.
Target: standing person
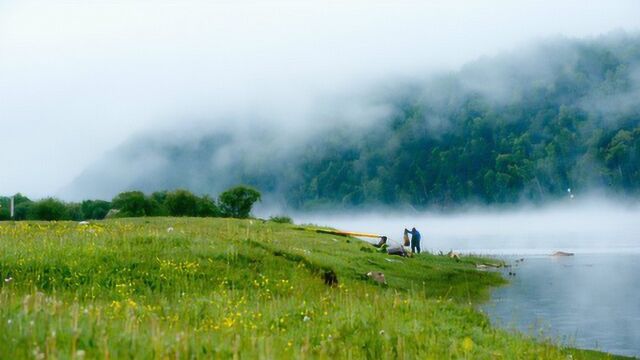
415 240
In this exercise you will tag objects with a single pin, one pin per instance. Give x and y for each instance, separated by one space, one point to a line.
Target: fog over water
592 225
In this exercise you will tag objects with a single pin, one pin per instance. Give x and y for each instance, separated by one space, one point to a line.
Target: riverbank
219 288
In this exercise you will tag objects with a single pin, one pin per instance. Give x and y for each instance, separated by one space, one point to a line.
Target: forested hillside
524 125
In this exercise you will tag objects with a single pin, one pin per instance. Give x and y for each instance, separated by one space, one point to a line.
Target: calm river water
588 301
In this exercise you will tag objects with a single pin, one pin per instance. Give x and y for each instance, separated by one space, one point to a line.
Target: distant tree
22 206
158 204
48 209
95 209
131 204
207 207
182 203
238 201
22 210
160 196
20 199
74 212
4 208
154 208
281 219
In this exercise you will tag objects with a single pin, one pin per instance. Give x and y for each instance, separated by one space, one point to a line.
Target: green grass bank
182 288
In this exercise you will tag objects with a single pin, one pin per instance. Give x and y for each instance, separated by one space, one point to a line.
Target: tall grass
222 288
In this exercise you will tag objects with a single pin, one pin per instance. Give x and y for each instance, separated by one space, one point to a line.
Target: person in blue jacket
415 240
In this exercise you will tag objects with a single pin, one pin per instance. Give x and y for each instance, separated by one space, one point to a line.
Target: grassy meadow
182 288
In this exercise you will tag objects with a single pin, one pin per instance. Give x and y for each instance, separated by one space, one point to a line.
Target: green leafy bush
48 209
182 203
282 219
238 201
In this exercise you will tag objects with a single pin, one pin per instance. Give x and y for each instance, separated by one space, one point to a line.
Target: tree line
235 202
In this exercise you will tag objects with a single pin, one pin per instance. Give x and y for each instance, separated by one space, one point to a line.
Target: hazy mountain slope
528 124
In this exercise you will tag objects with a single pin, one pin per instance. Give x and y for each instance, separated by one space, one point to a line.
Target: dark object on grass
383 241
330 278
377 276
454 255
398 250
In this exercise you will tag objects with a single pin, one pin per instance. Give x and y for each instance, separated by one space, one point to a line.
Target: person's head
384 239
413 229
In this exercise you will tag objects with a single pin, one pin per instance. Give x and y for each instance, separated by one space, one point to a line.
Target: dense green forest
521 126
235 202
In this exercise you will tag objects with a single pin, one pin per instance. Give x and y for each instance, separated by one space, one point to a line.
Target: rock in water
562 253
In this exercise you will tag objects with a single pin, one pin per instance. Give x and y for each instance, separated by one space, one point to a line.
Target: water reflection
588 300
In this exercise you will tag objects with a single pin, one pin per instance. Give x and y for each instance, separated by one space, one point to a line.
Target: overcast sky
77 78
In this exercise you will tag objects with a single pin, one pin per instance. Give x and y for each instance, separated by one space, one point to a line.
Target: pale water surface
588 301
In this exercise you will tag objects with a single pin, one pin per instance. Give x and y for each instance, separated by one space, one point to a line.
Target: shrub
4 208
207 207
48 209
182 203
282 219
95 209
238 201
22 204
131 204
158 204
74 212
22 210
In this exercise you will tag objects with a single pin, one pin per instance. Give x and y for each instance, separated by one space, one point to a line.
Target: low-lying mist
590 225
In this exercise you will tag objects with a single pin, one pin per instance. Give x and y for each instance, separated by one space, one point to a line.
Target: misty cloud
101 72
210 154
